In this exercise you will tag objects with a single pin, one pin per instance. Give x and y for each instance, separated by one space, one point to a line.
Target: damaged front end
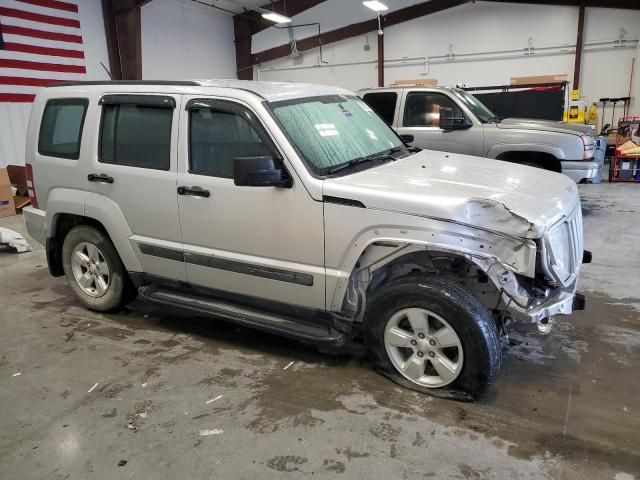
516 278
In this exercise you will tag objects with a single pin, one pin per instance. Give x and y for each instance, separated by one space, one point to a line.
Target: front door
264 242
135 172
419 124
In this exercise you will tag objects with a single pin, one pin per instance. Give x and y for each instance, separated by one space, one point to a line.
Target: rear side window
217 137
61 127
136 136
384 104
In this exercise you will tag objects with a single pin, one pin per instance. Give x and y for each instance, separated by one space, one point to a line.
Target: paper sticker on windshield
327 129
364 106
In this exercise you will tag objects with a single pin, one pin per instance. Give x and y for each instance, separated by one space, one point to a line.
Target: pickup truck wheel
432 336
94 269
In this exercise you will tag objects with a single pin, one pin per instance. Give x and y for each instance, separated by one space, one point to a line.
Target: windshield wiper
386 155
495 119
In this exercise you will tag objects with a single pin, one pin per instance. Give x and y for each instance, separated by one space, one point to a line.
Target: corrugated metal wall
13 132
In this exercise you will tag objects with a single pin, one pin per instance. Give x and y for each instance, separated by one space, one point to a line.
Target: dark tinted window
61 128
217 138
384 103
136 136
422 109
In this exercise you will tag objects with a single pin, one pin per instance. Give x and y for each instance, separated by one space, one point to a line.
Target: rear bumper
35 221
580 170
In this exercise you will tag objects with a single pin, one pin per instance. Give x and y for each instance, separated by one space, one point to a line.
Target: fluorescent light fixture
375 5
275 17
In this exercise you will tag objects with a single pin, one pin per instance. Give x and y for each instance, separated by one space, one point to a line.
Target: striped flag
40 43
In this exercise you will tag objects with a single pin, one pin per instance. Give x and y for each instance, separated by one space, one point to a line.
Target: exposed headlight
560 256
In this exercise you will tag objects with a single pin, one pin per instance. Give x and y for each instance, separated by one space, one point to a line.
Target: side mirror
259 172
448 122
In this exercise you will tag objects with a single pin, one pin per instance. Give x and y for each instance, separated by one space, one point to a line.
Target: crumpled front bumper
562 302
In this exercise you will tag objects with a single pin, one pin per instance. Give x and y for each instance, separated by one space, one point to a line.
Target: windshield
478 108
335 131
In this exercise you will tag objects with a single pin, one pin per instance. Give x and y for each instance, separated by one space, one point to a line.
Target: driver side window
217 137
422 109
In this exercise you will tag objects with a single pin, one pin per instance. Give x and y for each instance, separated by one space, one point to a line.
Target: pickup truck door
418 121
262 242
134 170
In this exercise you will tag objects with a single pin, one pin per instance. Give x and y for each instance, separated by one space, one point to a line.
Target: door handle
193 191
407 138
100 178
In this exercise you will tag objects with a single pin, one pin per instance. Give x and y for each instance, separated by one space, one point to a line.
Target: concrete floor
183 397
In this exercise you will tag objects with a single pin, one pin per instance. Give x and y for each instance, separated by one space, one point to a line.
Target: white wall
14 116
184 40
478 27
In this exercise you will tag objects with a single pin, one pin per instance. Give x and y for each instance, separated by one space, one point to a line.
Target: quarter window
136 136
422 109
217 137
384 104
61 128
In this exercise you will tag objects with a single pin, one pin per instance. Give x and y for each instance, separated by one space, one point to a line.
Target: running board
249 317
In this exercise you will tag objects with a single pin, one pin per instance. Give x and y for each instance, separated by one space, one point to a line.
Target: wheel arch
545 160
92 209
486 263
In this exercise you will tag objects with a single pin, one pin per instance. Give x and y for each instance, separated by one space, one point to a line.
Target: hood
546 126
490 194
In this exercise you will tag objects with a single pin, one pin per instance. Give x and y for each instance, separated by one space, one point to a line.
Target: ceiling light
275 17
375 5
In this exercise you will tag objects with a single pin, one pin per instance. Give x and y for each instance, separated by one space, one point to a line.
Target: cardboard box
539 79
7 205
18 178
423 82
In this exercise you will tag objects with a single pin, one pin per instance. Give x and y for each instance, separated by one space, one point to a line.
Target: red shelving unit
625 168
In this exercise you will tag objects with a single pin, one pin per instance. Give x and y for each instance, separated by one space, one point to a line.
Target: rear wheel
432 336
94 270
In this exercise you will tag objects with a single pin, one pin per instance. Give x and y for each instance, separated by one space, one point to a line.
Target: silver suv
452 120
296 210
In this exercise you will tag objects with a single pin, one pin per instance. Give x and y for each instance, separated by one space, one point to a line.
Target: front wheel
94 269
432 336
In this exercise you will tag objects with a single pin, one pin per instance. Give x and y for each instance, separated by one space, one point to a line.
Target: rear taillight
31 187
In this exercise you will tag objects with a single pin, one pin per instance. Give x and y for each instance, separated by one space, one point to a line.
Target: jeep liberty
294 209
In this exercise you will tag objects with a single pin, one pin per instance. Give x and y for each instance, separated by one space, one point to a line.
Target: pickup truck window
478 108
422 109
384 103
334 130
61 127
136 136
217 137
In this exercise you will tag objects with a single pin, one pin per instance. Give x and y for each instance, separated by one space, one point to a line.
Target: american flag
40 43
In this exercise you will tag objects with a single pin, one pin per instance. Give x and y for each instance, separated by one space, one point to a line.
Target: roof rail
178 83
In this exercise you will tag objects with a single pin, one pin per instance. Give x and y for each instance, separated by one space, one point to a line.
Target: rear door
419 124
134 167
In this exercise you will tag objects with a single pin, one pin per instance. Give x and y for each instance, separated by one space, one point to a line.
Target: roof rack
178 83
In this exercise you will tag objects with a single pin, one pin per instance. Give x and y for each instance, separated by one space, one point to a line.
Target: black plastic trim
587 256
178 83
579 302
343 201
160 101
162 252
271 273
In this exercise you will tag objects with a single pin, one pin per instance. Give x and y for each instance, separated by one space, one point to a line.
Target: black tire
120 290
469 318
